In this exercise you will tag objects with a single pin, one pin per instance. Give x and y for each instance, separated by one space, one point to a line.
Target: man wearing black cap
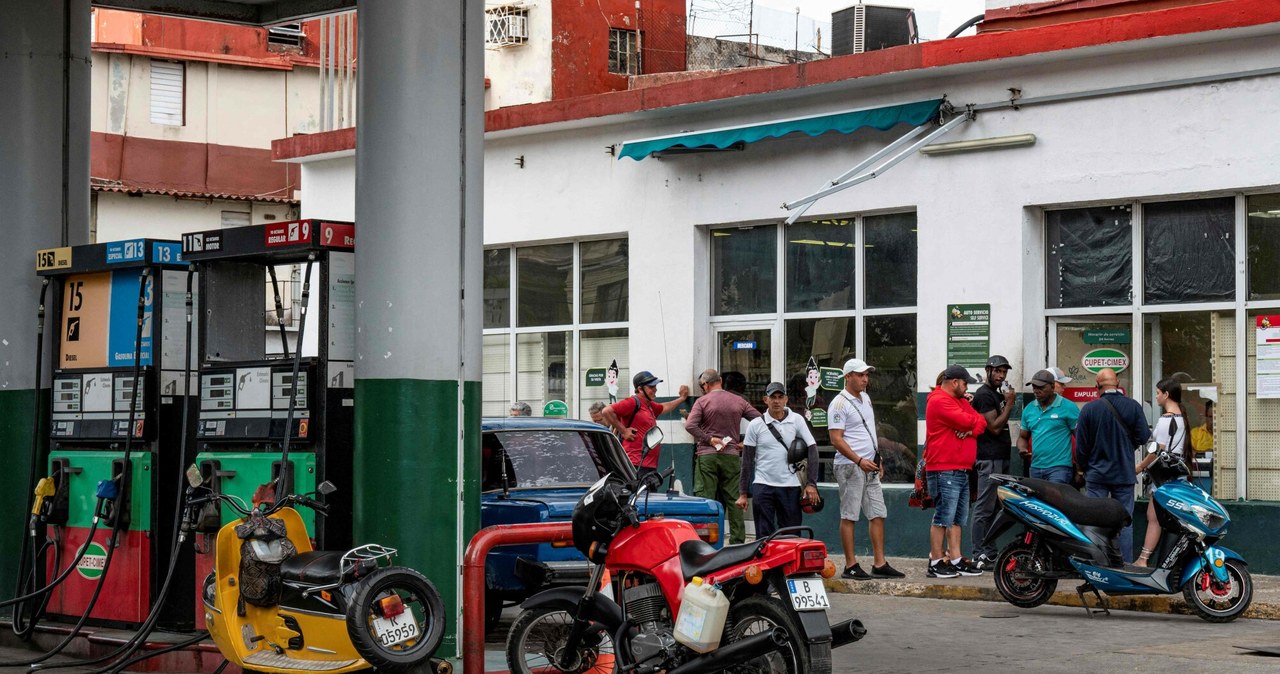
641 412
951 448
993 400
767 474
1049 424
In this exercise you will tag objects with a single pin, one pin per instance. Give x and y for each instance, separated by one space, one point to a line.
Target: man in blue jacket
1106 434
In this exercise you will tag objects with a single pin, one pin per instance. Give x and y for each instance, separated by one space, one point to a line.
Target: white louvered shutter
166 92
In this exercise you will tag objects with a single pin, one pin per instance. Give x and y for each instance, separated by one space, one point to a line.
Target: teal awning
884 118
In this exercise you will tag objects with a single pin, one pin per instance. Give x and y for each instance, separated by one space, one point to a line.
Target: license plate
392 631
808 594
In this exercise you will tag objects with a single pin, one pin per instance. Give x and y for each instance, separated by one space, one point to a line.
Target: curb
1169 604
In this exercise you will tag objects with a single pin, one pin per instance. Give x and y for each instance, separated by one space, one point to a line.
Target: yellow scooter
272 604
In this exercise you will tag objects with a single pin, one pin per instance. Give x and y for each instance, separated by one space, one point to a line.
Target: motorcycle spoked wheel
538 636
418 595
1013 565
1220 602
762 613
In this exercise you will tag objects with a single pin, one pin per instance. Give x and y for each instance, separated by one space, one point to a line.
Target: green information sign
832 379
968 334
595 376
555 408
818 417
1113 336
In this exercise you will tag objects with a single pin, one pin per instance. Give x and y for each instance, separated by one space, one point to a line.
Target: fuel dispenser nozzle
46 489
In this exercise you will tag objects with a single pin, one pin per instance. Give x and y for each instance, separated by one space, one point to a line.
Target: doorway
745 360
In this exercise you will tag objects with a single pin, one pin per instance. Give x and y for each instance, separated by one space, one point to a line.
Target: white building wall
120 216
978 214
521 74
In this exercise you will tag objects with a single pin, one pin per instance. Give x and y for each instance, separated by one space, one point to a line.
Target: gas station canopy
251 12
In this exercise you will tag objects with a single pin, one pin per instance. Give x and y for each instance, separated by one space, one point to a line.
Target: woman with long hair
1171 432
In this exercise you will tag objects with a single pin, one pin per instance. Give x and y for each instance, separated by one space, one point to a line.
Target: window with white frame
624 51
847 289
506 26
555 319
168 81
1165 289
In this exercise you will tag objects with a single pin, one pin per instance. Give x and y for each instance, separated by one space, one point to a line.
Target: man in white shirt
767 474
850 420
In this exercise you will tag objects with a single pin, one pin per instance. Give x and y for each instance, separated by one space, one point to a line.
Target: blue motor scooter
1069 535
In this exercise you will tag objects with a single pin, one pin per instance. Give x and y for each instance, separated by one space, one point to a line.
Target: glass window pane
1263 479
1090 257
497 288
891 349
816 342
605 350
820 265
495 377
1190 251
1264 247
744 267
604 281
542 361
545 284
745 363
890 258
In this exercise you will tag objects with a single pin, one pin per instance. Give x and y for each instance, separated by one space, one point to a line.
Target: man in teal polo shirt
1048 425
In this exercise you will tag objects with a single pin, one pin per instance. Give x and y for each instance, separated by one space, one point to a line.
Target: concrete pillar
418 285
44 203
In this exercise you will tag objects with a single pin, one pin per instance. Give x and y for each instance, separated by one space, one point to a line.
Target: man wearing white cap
850 422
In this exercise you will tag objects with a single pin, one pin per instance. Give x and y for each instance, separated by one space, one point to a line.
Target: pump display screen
96 405
252 403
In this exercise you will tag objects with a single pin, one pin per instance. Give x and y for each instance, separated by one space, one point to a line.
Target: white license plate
392 631
808 594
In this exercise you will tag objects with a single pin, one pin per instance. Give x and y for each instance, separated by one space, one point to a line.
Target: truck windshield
542 458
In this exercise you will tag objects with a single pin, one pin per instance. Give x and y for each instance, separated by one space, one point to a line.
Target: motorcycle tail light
708 531
562 544
753 574
391 606
828 569
813 559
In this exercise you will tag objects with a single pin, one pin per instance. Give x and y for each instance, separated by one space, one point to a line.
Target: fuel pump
278 318
115 427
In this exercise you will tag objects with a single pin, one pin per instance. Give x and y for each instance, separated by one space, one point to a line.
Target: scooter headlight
1210 519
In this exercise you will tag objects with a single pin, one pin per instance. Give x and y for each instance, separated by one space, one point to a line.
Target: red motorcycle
686 607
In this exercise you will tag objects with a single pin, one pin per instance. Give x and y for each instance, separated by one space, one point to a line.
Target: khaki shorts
860 494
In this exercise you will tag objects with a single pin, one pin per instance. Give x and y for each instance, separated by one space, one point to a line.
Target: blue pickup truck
546 466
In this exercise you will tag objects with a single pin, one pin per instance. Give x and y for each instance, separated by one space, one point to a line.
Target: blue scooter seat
1106 513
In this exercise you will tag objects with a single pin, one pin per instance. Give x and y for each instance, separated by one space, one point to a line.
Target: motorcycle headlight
1210 519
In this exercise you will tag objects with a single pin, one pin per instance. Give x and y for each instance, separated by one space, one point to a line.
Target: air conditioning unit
507 26
862 28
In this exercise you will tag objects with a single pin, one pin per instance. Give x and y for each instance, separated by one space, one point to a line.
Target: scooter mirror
653 438
1152 447
194 477
326 488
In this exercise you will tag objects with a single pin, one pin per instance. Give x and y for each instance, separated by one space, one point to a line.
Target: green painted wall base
406 490
17 414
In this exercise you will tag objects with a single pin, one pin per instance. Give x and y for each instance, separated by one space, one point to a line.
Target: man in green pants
715 423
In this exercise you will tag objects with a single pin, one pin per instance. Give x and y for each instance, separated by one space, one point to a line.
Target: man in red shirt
950 449
633 417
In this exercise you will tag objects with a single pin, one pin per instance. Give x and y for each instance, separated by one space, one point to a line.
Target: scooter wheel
1016 576
1220 602
396 619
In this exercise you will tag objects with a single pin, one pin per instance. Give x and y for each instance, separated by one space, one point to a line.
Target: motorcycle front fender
1212 553
601 610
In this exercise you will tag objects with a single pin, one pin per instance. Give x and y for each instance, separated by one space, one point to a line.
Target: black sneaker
886 571
967 568
855 572
984 563
941 569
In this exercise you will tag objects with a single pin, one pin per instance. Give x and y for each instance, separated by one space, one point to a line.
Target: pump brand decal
126 251
1099 359
93 562
288 233
337 235
53 258
201 241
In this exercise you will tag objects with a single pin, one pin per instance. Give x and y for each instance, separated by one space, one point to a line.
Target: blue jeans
950 492
1124 494
774 508
1059 474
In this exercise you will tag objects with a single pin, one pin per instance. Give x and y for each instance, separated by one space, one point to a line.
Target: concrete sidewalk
1266 590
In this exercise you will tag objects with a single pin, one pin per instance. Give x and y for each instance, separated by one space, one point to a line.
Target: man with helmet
993 400
633 417
769 469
